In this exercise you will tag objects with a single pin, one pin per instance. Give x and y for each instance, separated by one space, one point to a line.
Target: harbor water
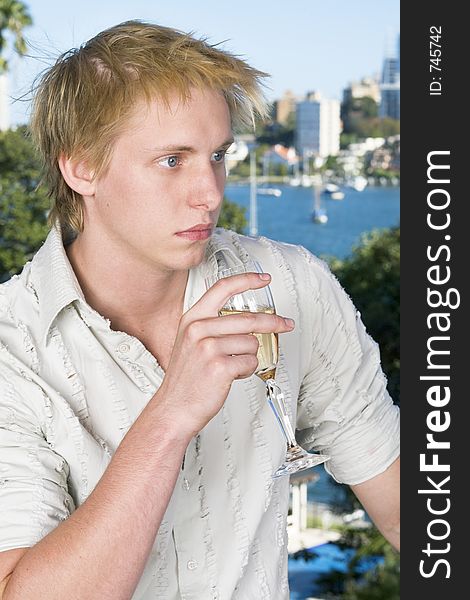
288 218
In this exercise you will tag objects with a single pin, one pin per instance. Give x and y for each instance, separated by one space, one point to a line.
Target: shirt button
186 485
192 565
124 348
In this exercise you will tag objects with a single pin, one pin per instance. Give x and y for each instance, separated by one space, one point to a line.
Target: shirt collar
54 280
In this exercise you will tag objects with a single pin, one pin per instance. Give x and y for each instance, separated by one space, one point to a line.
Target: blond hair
81 104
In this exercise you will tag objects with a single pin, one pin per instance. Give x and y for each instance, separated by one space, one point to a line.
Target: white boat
294 181
331 188
269 191
358 183
337 195
320 216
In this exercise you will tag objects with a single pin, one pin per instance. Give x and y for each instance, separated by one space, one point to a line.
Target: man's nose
208 188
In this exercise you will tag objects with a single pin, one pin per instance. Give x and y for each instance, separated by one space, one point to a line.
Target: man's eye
169 161
219 156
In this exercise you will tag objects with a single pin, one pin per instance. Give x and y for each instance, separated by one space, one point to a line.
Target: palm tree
14 17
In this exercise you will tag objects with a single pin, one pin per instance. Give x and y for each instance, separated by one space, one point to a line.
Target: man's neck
132 295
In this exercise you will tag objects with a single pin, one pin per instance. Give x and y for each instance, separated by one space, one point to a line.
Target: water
303 575
288 218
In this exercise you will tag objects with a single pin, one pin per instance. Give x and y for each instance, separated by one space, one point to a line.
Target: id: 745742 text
435 57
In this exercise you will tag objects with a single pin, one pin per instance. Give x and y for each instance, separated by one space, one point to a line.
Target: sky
304 45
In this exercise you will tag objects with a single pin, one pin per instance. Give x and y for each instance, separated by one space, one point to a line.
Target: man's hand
211 351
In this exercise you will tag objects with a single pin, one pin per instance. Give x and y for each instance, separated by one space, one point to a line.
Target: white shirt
70 388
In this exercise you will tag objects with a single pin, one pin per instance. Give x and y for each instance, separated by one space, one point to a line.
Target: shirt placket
187 530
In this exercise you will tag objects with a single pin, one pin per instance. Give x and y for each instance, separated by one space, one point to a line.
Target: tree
232 216
357 108
23 205
275 133
14 17
371 276
360 120
382 582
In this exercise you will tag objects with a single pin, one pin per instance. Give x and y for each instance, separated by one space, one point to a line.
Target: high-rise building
285 107
390 84
4 103
318 126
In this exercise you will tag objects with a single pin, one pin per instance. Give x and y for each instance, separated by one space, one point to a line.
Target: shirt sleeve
344 409
34 497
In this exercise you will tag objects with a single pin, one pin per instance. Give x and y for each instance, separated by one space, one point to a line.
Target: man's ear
77 175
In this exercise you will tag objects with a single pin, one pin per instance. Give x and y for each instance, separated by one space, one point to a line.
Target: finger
242 366
229 345
244 322
219 294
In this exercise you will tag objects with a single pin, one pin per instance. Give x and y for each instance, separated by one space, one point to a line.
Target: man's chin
193 256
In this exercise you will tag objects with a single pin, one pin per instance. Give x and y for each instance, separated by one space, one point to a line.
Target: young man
137 446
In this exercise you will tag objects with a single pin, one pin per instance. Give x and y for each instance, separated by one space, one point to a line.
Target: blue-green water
288 218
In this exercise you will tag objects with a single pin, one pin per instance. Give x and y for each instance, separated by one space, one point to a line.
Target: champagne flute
261 300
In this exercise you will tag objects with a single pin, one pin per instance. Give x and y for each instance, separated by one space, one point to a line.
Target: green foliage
383 173
14 17
371 276
360 120
276 133
347 138
383 581
23 206
232 216
373 127
331 164
357 108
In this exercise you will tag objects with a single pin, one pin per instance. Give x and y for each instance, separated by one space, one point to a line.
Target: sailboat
319 212
269 191
333 191
263 189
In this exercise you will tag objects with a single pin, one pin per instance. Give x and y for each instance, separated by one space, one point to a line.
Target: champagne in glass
261 300
268 351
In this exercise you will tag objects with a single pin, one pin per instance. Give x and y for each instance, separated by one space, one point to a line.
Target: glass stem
276 401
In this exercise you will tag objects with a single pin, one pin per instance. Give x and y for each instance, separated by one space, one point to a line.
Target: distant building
318 126
4 103
367 87
390 84
279 155
387 157
285 107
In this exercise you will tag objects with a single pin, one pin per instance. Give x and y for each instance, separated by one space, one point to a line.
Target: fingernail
264 276
289 322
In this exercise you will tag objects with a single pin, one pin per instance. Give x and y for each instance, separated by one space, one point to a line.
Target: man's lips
200 227
199 232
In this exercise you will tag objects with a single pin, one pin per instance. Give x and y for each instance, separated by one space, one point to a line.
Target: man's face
166 175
